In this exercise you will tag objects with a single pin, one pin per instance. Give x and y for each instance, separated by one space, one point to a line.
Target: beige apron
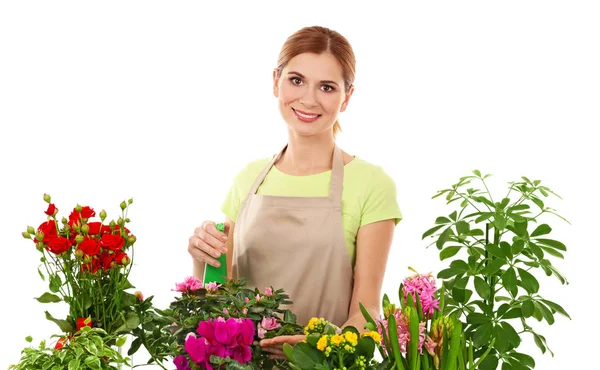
297 244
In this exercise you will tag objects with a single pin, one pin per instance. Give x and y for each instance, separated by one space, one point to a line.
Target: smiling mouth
305 116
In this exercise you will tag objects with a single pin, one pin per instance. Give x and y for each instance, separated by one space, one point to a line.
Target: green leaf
527 308
538 202
482 288
539 253
48 298
478 318
499 221
539 342
513 313
530 283
552 252
495 251
513 337
64 325
552 243
462 227
393 335
41 274
453 216
524 359
501 344
449 252
55 283
483 334
459 265
93 362
493 267
484 216
541 230
448 273
307 356
546 313
509 279
443 238
520 228
74 364
288 350
518 246
442 220
135 345
556 308
431 231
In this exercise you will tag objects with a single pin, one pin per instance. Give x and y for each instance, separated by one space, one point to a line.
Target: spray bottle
217 274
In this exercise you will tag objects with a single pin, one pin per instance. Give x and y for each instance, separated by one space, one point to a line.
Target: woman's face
311 93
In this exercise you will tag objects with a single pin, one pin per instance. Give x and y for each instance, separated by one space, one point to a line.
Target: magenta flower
189 284
223 338
181 363
424 285
198 349
268 292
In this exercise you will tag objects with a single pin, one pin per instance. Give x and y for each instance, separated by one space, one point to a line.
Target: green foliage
494 247
90 349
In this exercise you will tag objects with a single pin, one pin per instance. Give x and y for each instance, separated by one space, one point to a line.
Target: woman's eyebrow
302 76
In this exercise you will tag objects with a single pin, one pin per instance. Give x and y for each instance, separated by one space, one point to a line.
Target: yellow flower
322 343
351 338
373 334
337 339
315 325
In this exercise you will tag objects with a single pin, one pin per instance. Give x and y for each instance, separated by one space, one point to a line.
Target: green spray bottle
217 274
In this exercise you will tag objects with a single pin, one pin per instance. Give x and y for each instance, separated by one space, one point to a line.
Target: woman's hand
208 243
275 345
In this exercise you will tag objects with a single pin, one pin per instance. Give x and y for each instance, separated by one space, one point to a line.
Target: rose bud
26 235
102 215
79 253
130 201
79 239
87 259
78 208
47 198
30 230
39 236
112 224
85 229
131 239
123 205
127 219
120 222
139 296
64 221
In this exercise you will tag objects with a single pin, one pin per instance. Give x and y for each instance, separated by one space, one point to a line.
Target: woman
312 220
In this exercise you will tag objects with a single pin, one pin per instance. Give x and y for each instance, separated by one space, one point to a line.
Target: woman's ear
347 99
275 83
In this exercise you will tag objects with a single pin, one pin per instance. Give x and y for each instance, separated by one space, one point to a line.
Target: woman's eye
327 88
296 80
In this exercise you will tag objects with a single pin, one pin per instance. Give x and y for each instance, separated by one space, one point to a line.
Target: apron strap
337 175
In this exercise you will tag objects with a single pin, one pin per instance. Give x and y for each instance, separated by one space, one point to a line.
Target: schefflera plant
495 247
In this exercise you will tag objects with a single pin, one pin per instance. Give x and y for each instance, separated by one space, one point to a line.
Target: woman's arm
373 243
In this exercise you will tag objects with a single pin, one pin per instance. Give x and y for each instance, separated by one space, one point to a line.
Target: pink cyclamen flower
198 349
181 363
189 284
268 292
424 285
228 338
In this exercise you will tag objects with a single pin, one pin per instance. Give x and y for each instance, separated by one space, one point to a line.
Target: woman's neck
307 155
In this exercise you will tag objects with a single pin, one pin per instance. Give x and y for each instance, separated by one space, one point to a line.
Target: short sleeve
381 202
242 183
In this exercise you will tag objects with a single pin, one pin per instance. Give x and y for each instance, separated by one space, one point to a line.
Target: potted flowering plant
417 335
499 248
329 347
218 326
86 263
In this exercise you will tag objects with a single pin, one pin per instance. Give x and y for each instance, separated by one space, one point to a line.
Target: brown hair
317 40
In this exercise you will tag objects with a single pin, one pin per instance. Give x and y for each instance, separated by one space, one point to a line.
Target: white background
165 101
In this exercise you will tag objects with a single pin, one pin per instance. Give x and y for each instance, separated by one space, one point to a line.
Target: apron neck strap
337 174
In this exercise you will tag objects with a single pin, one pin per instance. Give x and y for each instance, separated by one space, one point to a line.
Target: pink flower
189 284
424 285
245 310
402 327
258 298
269 323
198 348
212 286
268 292
261 332
225 312
181 363
224 338
246 299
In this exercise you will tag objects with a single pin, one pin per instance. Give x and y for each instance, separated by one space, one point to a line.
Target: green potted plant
498 249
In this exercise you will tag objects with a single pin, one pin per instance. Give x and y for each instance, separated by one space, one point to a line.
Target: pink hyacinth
189 284
403 329
424 285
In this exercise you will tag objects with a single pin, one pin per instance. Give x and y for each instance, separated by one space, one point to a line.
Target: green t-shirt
368 195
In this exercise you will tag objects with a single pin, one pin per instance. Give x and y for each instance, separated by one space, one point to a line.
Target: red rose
94 228
112 242
48 228
59 245
75 217
92 266
106 260
90 247
121 258
81 323
51 210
